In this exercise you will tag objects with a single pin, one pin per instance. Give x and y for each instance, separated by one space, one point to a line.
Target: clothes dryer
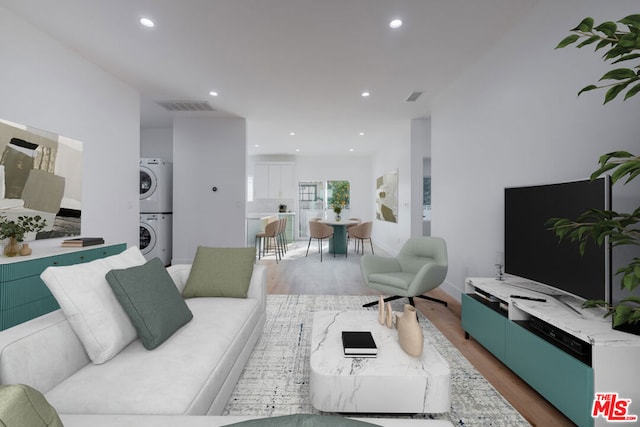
156 186
156 237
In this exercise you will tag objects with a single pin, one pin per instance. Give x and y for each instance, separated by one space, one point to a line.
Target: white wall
45 85
514 119
397 157
157 143
208 152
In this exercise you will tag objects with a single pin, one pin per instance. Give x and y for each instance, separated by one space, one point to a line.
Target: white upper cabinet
273 181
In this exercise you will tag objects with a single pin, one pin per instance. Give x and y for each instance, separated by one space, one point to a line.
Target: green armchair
420 267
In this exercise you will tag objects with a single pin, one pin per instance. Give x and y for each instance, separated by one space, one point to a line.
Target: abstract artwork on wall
387 197
41 174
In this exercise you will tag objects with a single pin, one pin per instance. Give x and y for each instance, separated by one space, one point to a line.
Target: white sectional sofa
193 373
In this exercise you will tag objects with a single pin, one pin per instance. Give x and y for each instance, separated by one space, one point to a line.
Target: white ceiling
284 65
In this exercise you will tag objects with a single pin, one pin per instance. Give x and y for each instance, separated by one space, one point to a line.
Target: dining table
338 244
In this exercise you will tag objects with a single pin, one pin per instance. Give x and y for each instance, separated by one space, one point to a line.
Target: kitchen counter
256 222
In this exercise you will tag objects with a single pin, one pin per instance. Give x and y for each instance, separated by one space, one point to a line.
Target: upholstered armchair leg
433 299
371 243
391 298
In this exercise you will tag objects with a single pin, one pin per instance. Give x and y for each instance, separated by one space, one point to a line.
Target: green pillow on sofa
303 420
220 272
23 406
151 300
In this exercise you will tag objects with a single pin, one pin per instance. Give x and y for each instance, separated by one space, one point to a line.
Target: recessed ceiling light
146 22
352 149
213 93
361 133
292 133
257 145
395 23
365 94
297 150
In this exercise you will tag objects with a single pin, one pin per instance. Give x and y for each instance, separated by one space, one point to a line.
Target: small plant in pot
15 230
622 45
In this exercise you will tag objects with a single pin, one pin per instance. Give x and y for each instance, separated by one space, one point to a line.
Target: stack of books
359 344
82 241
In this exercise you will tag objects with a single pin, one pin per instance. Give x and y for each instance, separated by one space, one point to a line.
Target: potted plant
339 196
14 230
622 45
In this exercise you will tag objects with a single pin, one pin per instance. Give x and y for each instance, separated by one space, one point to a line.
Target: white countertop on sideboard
47 251
590 325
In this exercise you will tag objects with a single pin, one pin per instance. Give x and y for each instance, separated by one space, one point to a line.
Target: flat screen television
533 252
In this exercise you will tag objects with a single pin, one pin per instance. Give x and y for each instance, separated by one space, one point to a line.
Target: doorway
311 196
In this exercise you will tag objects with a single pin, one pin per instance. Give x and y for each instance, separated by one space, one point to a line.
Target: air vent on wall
186 105
413 96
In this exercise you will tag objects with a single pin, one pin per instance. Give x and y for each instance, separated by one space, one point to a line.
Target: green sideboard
568 354
23 295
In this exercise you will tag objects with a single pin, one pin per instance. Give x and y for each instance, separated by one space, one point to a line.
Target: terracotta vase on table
409 331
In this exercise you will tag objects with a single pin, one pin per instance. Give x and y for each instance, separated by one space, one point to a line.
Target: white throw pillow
91 307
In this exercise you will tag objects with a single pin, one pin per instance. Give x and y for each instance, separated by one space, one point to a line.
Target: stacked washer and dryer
156 207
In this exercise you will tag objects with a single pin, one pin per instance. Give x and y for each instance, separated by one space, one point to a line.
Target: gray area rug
275 380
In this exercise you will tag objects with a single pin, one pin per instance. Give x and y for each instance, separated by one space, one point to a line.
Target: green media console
567 355
23 295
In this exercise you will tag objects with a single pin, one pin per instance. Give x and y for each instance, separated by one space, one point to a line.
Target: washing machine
155 236
156 186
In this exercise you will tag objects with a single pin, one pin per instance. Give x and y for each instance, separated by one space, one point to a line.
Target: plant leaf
631 20
587 89
589 41
627 58
633 91
568 40
619 74
585 25
614 91
621 315
609 28
602 44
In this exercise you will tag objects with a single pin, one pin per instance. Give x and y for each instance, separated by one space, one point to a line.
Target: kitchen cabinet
274 181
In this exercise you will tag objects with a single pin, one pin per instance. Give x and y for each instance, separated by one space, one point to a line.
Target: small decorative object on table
14 230
25 250
359 344
337 210
385 313
409 331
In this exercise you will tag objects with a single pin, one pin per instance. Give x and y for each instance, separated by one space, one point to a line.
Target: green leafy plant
621 44
18 228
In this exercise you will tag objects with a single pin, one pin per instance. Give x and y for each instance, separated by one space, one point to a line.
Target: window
308 193
338 194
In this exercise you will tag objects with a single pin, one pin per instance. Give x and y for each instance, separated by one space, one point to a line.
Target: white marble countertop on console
47 251
589 324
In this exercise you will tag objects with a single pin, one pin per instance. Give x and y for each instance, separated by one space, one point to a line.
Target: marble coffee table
393 382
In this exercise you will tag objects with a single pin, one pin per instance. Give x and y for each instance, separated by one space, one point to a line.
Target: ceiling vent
186 106
413 96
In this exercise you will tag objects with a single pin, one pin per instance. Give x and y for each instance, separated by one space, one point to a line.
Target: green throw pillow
303 420
23 406
151 300
220 272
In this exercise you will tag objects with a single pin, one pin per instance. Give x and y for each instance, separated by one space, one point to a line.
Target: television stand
566 355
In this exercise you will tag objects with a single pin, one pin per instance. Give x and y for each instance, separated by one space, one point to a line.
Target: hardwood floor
527 401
